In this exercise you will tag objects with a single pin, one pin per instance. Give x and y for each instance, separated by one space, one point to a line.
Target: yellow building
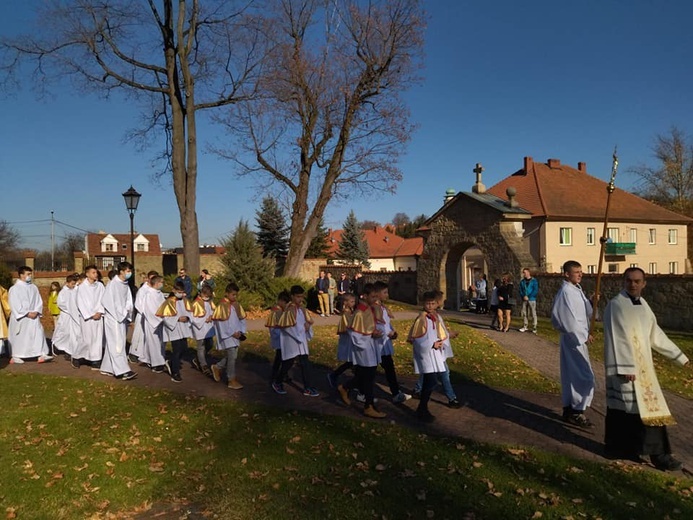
567 206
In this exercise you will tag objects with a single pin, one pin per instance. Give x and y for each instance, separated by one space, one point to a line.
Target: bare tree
670 182
174 57
330 120
9 239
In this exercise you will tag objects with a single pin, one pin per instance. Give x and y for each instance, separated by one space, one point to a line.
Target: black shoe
416 394
666 462
74 362
579 419
127 376
167 366
67 357
95 365
132 358
158 370
176 378
196 364
454 403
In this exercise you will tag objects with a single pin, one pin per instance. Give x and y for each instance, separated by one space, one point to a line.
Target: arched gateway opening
473 232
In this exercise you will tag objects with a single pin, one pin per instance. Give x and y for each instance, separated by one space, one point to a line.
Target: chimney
511 192
449 195
554 163
582 167
529 164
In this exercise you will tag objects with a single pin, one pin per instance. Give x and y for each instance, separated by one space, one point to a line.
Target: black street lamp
132 199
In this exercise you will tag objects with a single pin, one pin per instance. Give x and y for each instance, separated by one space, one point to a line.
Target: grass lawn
671 376
85 449
476 357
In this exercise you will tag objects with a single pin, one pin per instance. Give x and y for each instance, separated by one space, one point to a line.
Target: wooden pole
603 239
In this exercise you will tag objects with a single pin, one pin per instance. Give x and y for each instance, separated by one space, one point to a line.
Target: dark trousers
626 436
429 383
389 367
342 368
276 364
288 363
364 380
177 348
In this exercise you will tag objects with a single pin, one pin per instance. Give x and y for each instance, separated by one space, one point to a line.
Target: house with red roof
568 205
106 250
387 251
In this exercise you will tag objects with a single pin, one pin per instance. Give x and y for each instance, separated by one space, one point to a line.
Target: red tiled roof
94 244
381 243
558 192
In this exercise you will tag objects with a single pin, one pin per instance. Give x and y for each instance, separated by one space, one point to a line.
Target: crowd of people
91 325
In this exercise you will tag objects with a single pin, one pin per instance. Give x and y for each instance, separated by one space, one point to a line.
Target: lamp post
132 199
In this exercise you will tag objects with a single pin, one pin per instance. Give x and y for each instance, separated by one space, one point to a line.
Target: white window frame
652 268
565 236
591 269
591 234
673 236
652 236
634 235
614 234
673 268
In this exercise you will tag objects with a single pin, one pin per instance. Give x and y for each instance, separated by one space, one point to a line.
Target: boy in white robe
137 341
383 321
570 315
272 324
230 327
26 337
67 332
348 302
637 413
202 327
296 331
89 295
365 355
153 349
118 307
176 312
429 352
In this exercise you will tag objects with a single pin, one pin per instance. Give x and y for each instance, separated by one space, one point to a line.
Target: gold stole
273 318
198 307
345 322
363 321
223 311
652 406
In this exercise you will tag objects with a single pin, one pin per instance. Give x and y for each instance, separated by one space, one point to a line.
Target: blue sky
502 79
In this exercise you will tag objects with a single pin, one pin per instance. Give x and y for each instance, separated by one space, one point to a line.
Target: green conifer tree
243 261
318 246
353 246
273 231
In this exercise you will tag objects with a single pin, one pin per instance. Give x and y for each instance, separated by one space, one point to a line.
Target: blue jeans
445 381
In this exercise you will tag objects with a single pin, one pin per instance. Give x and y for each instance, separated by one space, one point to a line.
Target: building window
591 269
590 236
612 234
652 236
141 247
673 268
673 236
652 269
566 238
634 235
124 246
633 265
109 247
613 268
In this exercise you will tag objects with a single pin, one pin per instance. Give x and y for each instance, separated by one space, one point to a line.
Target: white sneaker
361 398
534 331
524 329
401 397
16 361
43 359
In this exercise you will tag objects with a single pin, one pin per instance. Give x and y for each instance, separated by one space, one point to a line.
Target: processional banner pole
604 238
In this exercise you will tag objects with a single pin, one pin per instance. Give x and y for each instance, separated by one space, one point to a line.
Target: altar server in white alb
67 332
637 412
137 340
118 307
571 315
26 336
176 312
230 326
89 296
151 324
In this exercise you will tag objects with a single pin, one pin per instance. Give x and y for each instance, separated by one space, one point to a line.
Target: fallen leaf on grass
156 467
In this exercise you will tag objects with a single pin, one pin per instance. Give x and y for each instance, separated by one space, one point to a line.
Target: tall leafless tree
174 57
330 120
670 181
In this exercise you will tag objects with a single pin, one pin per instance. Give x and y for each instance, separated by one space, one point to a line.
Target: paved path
493 415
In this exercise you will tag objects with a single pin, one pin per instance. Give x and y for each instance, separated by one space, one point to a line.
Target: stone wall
669 296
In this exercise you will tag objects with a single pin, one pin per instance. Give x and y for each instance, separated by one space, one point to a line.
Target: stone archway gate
471 219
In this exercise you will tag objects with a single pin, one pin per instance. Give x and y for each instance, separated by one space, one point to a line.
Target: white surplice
67 332
153 350
26 336
89 297
118 306
137 340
